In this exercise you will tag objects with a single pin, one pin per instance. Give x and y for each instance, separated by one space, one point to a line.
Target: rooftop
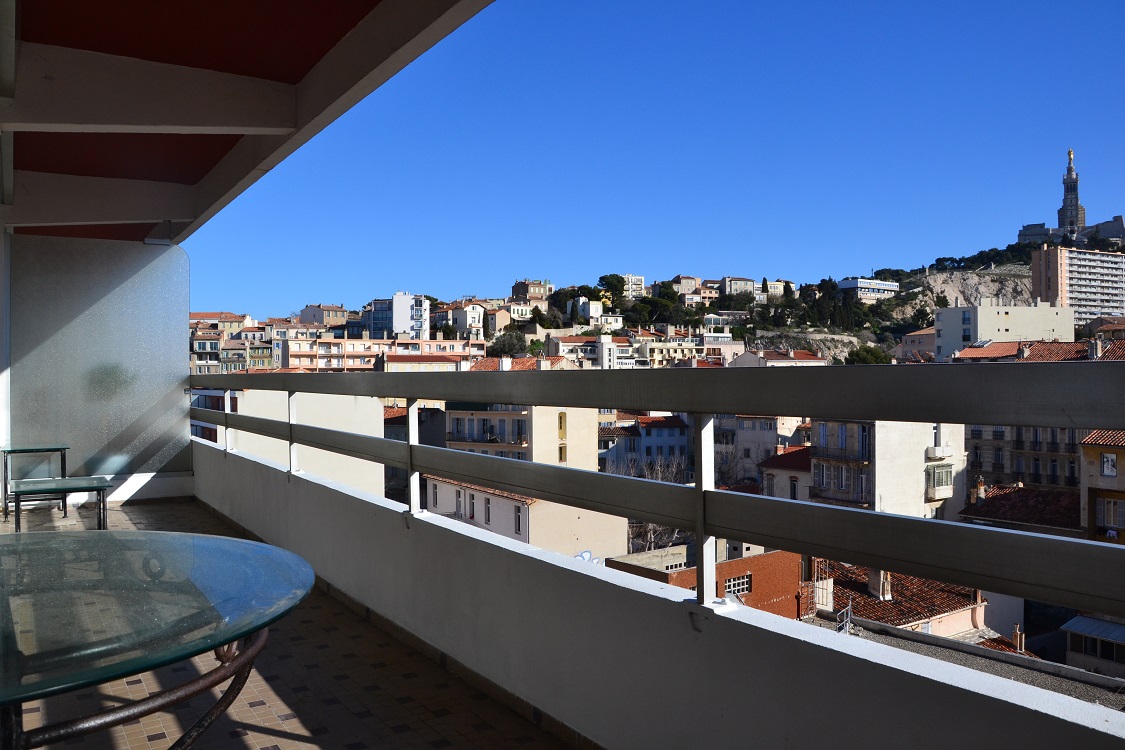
792 458
1025 505
913 599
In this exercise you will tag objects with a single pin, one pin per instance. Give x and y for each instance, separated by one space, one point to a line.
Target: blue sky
568 139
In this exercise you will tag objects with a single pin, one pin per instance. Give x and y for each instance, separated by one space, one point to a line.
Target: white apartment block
603 352
634 286
403 313
956 328
868 291
907 468
1090 282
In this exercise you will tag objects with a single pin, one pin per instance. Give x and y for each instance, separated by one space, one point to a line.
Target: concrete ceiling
139 120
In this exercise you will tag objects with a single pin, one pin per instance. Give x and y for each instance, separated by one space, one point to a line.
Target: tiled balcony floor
326 679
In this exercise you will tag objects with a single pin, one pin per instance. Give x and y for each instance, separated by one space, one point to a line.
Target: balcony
480 437
1017 444
998 467
1052 447
840 454
582 649
1036 445
1072 447
848 496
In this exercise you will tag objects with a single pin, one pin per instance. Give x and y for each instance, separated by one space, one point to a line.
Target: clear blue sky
565 139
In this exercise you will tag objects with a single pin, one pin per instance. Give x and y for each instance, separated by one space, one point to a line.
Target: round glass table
80 608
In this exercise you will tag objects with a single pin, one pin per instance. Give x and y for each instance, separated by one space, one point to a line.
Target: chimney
1019 639
542 363
505 364
779 449
1025 350
879 584
792 353
982 491
1095 348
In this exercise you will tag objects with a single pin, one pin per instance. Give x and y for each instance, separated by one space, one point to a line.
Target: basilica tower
1072 216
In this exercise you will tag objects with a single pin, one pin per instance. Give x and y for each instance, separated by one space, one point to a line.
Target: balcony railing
1017 444
1051 569
847 496
1072 447
843 454
1036 445
479 437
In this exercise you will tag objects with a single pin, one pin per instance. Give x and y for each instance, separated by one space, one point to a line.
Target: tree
941 300
867 355
508 344
486 327
448 331
538 318
765 286
922 318
614 284
787 292
535 347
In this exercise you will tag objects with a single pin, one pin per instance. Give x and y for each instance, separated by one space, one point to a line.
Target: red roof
997 350
1007 503
521 364
215 316
589 339
1113 350
1000 643
665 421
1111 438
1108 327
794 458
1057 351
615 431
423 358
912 599
774 355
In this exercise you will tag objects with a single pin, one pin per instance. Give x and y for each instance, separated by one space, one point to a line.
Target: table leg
4 486
103 511
16 502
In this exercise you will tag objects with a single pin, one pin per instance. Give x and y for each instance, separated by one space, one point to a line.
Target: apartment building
603 352
403 313
205 341
743 440
919 345
1089 282
868 291
657 446
466 316
663 348
908 468
227 322
958 327
731 285
534 290
634 286
324 315
787 472
779 358
548 435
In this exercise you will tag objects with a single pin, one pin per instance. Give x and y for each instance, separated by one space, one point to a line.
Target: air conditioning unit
935 452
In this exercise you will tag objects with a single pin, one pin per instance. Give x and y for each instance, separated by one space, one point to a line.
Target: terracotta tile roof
484 490
1110 438
1113 351
1057 351
795 458
615 431
997 350
1000 643
253 329
1057 508
912 599
521 364
774 355
922 332
1109 327
393 412
665 421
215 316
805 426
423 358
329 307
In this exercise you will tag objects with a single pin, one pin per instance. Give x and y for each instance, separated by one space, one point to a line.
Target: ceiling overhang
132 119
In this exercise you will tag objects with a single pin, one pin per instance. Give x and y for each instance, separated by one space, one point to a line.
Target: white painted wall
589 646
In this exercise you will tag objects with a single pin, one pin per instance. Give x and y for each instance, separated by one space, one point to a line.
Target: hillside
1010 283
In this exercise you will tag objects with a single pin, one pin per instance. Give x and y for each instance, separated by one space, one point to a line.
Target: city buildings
1090 282
324 315
958 327
403 313
536 290
779 358
634 286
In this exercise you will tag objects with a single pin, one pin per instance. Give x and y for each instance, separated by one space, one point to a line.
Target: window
435 496
472 506
488 510
746 453
841 436
562 425
648 450
562 454
1109 464
792 488
821 475
769 484
738 584
519 519
823 442
1111 513
940 475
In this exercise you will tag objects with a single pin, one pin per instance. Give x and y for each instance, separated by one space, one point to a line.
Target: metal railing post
704 480
413 481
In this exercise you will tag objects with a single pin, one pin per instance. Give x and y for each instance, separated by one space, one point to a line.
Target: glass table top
78 608
54 448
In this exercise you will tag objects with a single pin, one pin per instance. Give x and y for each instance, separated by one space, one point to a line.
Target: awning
1091 626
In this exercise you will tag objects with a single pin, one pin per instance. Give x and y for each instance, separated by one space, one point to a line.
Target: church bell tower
1072 215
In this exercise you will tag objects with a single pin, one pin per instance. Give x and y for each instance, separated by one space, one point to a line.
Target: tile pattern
326 679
